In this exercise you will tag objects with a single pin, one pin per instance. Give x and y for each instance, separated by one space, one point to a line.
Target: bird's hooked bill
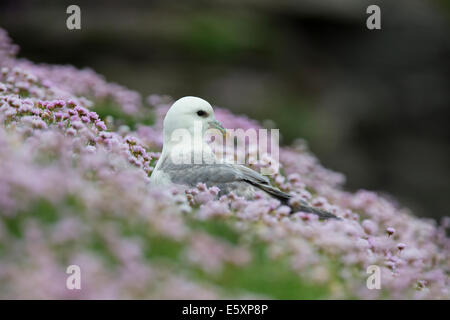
217 125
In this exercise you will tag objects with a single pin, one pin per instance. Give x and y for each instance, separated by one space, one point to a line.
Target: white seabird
183 117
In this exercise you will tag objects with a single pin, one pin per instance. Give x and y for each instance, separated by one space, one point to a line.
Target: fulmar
184 118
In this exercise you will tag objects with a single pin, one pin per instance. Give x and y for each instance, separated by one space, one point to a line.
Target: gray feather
233 178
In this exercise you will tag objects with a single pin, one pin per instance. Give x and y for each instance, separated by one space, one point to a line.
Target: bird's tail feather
322 214
302 206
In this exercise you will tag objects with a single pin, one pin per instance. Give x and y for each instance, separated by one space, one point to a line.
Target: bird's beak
217 125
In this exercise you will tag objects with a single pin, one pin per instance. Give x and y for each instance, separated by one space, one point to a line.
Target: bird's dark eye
202 113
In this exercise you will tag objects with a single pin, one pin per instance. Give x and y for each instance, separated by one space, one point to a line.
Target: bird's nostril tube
217 125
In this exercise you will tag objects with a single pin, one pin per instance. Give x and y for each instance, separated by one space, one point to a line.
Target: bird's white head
187 113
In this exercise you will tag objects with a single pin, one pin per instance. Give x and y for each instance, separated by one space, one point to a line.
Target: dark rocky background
372 104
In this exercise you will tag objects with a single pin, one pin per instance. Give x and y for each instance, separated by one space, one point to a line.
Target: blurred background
373 105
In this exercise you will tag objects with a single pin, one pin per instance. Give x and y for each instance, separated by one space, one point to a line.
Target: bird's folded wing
236 178
210 174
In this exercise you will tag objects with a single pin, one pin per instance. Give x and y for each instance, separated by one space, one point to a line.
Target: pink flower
100 125
390 231
93 115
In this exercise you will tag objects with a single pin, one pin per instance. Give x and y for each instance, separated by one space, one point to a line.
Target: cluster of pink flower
72 192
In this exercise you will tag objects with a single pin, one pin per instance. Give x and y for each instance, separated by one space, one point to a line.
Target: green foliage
262 276
109 108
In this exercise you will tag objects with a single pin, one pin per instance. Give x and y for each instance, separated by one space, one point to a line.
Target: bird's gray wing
255 179
228 177
234 178
261 182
